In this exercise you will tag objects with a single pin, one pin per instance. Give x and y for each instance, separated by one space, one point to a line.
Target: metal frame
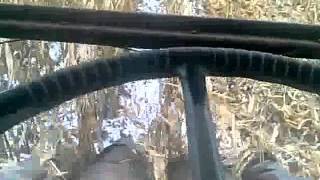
158 31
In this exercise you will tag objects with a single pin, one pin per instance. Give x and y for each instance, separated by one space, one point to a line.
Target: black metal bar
156 31
152 39
187 24
201 130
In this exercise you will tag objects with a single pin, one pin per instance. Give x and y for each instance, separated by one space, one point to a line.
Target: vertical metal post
201 131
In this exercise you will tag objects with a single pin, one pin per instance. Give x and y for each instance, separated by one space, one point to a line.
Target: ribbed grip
40 95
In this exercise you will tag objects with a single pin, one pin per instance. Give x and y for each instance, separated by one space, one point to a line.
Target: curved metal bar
151 31
28 100
153 39
148 21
